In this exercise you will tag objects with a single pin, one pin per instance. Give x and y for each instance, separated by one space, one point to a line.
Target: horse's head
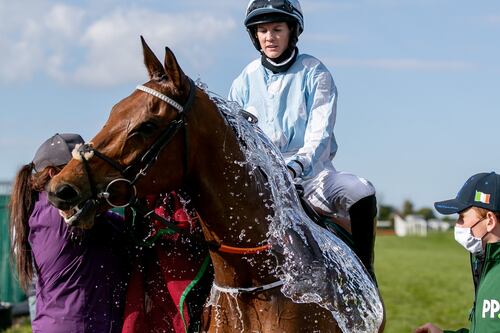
120 160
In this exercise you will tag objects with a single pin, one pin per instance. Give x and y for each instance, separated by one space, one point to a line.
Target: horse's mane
317 266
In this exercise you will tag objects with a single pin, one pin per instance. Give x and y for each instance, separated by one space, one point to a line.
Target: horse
170 134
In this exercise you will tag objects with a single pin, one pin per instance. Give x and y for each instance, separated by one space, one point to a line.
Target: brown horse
169 134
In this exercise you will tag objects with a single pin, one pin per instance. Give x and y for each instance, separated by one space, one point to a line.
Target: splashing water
318 267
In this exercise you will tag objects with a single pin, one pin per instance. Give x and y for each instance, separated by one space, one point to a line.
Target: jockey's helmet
268 11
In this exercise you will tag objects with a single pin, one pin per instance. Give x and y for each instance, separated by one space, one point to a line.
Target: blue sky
418 81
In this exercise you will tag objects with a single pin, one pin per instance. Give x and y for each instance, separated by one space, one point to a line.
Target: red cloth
158 280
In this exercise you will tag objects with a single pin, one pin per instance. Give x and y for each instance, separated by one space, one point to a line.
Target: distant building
438 225
417 225
5 187
411 225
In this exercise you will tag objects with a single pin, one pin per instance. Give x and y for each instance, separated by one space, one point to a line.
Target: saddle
324 221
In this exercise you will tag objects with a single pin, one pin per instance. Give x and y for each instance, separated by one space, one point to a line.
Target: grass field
21 325
421 279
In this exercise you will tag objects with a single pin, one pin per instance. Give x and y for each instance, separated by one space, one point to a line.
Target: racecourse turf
423 279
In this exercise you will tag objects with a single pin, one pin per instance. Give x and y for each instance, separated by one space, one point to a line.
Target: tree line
387 212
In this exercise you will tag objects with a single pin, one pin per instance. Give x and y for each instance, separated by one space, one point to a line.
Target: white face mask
471 243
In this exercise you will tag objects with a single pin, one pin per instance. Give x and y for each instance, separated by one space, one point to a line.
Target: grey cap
56 150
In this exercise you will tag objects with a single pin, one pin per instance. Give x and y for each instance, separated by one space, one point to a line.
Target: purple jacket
81 274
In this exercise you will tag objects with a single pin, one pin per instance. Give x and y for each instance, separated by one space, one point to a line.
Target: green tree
426 212
385 212
407 208
450 219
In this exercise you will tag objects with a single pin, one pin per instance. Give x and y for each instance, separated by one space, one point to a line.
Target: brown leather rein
146 161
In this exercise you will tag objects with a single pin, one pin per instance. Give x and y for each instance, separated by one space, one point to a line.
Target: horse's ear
154 66
174 71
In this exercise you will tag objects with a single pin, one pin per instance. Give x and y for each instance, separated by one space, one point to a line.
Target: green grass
424 279
21 325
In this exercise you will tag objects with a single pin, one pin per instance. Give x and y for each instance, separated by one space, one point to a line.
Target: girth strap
248 290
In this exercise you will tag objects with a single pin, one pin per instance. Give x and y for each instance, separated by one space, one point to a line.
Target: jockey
295 99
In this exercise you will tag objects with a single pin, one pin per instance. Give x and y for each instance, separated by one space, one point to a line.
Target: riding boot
363 225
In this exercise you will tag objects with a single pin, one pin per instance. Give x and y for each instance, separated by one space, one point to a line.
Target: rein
219 247
144 163
151 155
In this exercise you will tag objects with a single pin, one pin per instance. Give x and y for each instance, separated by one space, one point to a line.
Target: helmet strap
294 36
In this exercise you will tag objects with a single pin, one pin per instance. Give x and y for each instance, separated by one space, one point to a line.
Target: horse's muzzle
64 197
75 210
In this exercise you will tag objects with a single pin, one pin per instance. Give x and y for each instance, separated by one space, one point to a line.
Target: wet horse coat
201 156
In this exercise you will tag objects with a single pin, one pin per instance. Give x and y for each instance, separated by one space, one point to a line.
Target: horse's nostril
66 193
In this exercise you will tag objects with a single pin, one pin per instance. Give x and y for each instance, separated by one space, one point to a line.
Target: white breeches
332 192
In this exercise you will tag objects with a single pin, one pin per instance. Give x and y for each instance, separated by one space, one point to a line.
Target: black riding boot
363 224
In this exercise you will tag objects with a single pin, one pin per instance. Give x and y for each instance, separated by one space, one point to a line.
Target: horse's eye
146 129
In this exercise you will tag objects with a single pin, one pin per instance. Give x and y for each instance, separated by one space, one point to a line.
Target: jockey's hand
428 328
300 189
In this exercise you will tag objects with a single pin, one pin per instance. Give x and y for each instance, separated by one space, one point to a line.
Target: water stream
318 267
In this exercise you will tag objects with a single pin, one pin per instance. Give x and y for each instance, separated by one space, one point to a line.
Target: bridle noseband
143 163
148 158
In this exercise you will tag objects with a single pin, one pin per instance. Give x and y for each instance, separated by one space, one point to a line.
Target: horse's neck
233 205
231 202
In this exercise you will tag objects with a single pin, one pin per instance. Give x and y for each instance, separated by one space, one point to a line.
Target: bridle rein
144 162
141 164
148 158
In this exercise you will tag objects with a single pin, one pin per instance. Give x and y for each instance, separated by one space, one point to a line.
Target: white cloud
69 45
402 64
113 47
64 20
237 5
18 41
29 39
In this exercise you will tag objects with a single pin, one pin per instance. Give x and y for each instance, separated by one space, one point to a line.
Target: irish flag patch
482 197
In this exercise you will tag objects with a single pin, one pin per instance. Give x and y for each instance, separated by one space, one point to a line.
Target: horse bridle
145 162
142 163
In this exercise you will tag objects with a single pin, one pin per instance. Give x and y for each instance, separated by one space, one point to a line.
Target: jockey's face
273 38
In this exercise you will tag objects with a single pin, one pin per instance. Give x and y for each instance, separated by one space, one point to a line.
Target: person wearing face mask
294 97
478 231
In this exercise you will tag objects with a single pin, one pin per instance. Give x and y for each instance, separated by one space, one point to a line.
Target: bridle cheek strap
84 152
150 156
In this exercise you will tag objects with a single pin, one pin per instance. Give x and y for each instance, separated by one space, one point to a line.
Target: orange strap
238 250
243 250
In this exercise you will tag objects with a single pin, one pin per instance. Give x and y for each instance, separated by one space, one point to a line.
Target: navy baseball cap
481 190
56 150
